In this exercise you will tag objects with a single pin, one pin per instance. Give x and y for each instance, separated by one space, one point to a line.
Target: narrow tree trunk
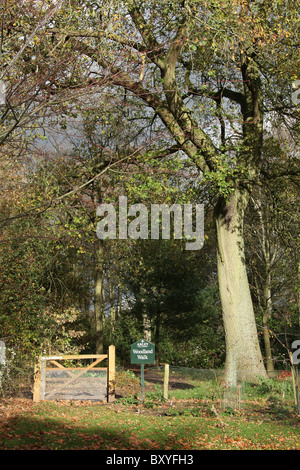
157 336
267 312
244 361
98 301
298 292
118 307
147 327
265 300
145 316
111 288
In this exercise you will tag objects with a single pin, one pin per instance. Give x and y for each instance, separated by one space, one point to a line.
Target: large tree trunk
244 361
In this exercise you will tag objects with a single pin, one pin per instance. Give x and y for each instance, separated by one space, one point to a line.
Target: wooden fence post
166 381
37 381
111 374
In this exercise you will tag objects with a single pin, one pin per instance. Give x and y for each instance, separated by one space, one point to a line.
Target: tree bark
244 360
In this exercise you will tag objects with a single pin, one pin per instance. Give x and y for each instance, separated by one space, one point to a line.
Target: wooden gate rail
40 371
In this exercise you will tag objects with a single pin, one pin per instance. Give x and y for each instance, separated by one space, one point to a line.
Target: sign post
142 352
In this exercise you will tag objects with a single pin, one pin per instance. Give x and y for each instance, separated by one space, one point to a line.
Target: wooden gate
56 381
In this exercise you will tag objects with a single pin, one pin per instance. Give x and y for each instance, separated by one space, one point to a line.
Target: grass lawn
171 425
192 419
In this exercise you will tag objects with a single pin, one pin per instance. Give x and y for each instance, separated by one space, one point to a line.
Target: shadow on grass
172 384
24 433
114 432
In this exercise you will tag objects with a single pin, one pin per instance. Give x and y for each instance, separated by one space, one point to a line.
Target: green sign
142 352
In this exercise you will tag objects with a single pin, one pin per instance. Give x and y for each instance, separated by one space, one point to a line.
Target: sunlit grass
67 425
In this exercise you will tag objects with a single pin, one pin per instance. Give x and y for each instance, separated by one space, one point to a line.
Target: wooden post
142 383
43 379
166 381
111 373
37 381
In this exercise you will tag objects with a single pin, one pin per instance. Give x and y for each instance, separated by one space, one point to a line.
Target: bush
267 387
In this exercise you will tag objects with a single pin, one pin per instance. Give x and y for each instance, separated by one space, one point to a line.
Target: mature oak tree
210 73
